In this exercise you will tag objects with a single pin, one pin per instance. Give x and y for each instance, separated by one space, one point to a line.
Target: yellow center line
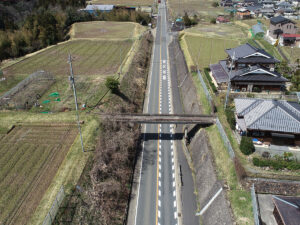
159 90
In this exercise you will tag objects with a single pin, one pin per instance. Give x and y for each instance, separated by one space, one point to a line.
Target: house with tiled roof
248 69
274 121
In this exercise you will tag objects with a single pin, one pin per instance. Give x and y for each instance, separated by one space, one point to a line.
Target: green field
30 157
106 30
206 51
89 58
203 8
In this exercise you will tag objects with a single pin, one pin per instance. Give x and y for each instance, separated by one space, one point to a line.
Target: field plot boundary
70 170
37 171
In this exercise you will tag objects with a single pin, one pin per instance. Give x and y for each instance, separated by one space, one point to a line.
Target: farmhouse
286 209
248 69
274 121
243 13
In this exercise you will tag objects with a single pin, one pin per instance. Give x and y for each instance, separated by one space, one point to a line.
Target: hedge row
276 164
206 71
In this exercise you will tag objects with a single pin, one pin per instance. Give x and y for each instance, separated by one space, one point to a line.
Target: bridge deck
161 118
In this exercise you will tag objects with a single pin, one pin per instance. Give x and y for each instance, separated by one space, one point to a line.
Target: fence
204 87
26 90
225 138
254 205
55 206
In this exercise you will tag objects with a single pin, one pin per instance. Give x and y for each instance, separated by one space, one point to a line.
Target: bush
246 145
230 118
212 85
112 84
276 164
215 4
186 19
213 20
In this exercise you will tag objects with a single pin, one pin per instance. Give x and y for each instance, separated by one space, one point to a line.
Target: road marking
159 159
174 193
159 166
175 215
158 213
164 77
172 167
173 183
209 203
172 151
159 175
172 160
159 193
159 203
159 153
172 148
173 175
174 204
159 183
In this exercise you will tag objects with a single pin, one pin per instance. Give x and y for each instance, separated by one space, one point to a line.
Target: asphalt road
157 194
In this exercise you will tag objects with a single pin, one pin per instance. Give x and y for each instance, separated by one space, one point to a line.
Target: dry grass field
30 158
124 2
90 58
203 8
224 31
106 30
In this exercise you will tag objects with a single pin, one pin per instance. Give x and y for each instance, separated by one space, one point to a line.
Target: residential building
276 122
286 210
281 25
290 40
249 69
243 13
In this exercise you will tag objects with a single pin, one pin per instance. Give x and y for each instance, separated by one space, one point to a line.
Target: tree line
48 23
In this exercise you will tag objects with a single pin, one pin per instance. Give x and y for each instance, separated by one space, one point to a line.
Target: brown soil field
30 158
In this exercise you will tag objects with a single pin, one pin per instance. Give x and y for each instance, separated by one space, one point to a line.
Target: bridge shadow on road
162 136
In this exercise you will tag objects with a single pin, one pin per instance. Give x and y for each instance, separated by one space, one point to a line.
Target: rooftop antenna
75 98
229 81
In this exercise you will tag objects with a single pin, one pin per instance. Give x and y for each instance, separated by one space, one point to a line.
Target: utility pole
75 97
229 81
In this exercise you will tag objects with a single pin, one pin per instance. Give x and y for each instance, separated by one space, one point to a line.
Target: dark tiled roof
219 73
245 50
281 20
257 59
257 73
288 208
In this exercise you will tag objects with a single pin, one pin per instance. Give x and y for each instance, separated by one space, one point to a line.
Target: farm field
31 156
203 8
224 31
205 51
123 2
89 58
106 30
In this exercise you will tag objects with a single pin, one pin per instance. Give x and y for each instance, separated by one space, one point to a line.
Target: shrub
213 20
215 4
246 145
186 19
112 84
276 164
212 85
230 118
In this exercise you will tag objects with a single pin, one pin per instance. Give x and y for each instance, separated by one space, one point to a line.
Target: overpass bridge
161 118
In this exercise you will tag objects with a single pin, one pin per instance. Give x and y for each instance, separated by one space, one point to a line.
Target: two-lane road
157 198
